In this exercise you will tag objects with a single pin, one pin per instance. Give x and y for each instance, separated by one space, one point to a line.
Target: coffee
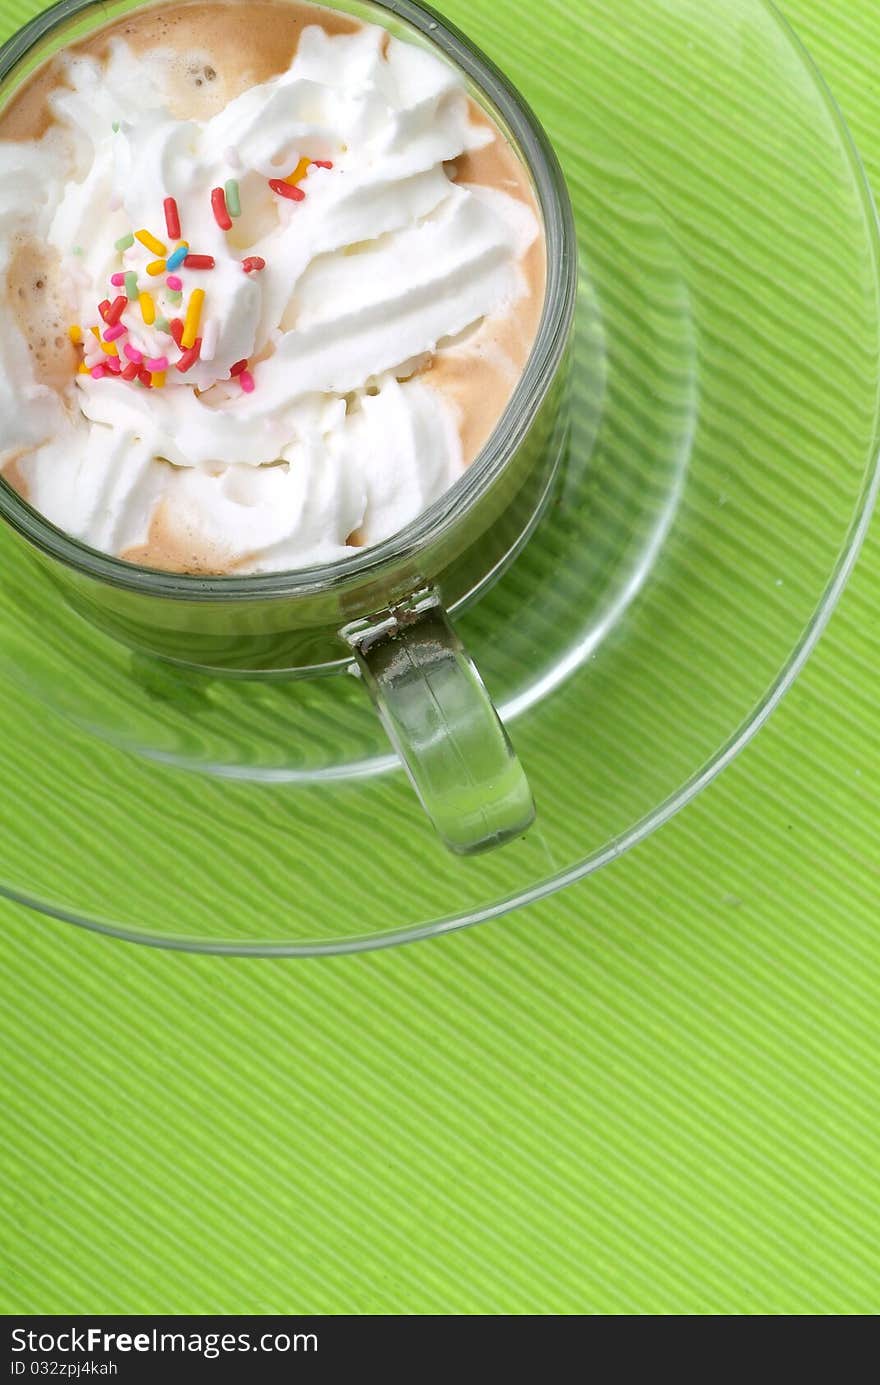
363 281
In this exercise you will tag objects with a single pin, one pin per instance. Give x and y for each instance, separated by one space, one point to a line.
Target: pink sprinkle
156 363
117 280
98 372
246 380
135 356
174 282
115 332
113 364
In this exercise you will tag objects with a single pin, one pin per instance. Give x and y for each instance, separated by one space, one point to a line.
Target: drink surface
362 284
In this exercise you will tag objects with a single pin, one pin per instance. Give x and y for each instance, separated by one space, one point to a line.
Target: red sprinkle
116 309
246 380
199 261
219 208
288 190
130 371
189 358
104 308
175 327
253 263
237 369
172 218
113 364
145 377
322 163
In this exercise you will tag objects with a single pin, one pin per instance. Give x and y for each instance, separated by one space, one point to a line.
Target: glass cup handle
441 721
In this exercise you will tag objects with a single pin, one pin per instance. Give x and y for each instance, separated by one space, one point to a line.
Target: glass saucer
717 483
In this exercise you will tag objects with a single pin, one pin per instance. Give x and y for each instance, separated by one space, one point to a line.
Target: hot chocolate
271 277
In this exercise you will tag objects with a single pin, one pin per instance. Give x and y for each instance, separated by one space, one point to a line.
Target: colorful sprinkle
192 318
209 339
246 380
130 371
237 368
156 267
124 242
158 379
299 172
233 199
156 364
75 333
253 263
135 356
113 364
115 127
145 377
199 262
115 311
148 308
151 242
176 297
175 327
98 372
322 163
284 189
220 210
162 325
83 369
177 256
131 285
190 356
115 332
172 221
174 282
117 280
104 308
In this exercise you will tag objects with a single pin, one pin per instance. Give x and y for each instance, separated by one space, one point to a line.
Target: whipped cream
384 262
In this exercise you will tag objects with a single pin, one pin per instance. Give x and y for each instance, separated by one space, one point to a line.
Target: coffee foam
204 56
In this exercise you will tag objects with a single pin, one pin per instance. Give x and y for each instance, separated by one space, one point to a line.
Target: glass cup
385 609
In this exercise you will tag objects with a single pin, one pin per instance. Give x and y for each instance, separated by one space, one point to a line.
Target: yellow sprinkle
192 319
151 243
157 379
148 308
83 368
109 348
96 331
299 172
76 334
156 267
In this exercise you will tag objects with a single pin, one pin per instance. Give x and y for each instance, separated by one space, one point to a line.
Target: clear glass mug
386 607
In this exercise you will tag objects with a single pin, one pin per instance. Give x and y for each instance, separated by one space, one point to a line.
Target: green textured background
655 1093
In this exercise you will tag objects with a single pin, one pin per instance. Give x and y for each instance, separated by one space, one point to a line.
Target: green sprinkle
115 127
233 201
77 250
176 296
125 242
131 286
162 325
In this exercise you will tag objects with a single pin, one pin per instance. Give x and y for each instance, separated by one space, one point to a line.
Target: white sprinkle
209 340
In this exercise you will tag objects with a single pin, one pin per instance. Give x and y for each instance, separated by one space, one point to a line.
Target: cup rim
521 124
